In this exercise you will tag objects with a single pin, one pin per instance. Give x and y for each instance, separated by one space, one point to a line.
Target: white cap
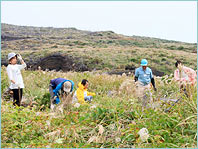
67 86
11 55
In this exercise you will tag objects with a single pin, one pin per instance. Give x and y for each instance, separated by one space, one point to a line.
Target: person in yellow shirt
82 94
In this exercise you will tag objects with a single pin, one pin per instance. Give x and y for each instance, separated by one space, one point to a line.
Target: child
82 94
15 77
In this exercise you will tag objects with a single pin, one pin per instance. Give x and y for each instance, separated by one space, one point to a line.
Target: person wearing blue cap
143 77
57 87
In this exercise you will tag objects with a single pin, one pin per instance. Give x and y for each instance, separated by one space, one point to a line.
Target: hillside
85 50
114 118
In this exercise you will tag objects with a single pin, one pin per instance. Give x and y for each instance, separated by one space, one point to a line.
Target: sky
166 20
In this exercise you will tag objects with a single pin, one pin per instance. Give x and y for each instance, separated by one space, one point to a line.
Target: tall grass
114 122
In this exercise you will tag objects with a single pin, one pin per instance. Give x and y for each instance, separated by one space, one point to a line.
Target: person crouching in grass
58 87
186 77
15 77
82 94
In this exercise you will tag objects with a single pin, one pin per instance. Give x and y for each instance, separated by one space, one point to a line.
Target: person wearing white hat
57 87
15 77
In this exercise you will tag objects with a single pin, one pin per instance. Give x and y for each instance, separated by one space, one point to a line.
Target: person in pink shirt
184 75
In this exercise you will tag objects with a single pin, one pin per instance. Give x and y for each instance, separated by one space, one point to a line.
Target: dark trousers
17 96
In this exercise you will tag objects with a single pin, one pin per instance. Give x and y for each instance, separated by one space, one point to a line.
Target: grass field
112 120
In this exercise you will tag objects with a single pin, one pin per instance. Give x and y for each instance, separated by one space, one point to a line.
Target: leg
16 97
139 91
20 95
183 90
147 96
88 98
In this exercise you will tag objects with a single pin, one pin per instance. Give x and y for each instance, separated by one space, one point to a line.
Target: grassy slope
120 115
99 49
101 58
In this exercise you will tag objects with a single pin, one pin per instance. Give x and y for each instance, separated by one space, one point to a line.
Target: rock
117 139
143 134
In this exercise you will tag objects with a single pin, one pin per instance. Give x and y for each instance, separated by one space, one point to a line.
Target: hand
155 89
19 57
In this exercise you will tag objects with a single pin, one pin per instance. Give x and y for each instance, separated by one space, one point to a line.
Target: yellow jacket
80 93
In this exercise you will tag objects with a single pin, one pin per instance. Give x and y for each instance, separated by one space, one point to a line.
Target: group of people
59 86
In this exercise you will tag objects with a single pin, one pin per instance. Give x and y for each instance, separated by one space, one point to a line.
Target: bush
180 48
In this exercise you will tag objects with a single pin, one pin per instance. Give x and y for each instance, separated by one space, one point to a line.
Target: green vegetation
114 123
99 50
118 117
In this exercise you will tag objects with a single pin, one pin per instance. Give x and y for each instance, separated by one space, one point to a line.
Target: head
85 83
67 87
144 63
178 63
12 58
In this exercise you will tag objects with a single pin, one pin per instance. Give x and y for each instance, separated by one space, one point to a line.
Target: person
185 76
81 94
15 77
143 78
58 87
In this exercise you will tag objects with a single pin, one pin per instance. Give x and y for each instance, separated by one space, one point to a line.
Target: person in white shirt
15 77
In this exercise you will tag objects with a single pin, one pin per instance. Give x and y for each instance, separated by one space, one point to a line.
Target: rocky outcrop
54 62
9 38
59 62
66 63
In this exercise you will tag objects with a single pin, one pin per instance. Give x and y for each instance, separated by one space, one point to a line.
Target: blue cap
144 62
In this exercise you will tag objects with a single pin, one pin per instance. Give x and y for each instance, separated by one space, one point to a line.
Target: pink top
187 75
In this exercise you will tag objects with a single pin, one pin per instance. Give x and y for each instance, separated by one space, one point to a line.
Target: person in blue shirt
58 87
143 77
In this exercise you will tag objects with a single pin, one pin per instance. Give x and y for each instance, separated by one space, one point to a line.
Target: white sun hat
11 55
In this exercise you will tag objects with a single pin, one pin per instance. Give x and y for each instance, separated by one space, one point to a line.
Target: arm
153 81
22 62
176 75
90 94
9 71
136 75
190 72
22 66
56 90
136 78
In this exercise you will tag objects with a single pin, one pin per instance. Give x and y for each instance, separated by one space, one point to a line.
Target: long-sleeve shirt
57 86
144 76
56 82
187 75
14 73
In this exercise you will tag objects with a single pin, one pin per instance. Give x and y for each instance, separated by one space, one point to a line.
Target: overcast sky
166 20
